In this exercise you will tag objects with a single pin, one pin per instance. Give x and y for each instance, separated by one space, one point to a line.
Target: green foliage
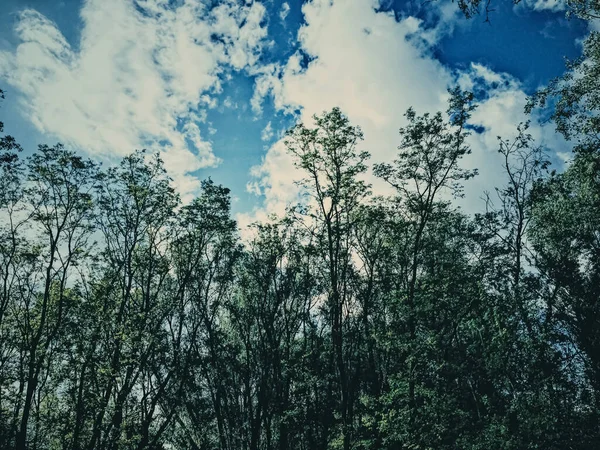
129 320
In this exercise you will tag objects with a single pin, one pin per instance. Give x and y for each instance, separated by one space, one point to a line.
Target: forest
132 320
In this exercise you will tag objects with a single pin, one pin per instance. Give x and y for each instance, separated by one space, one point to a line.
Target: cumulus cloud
499 111
143 75
366 62
275 180
374 68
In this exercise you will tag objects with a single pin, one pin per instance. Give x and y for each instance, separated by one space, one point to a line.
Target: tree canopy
130 320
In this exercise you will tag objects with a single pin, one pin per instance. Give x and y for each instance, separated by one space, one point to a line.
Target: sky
213 85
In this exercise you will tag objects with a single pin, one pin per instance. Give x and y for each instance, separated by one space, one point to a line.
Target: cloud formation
143 75
284 11
374 67
547 5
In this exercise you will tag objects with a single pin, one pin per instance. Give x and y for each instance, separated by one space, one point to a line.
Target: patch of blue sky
530 45
236 135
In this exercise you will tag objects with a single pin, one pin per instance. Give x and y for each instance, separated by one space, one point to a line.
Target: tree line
129 320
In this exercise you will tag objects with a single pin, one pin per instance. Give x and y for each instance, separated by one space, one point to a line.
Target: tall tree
427 165
333 165
59 191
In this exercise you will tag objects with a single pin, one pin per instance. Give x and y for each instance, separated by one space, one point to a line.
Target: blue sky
214 88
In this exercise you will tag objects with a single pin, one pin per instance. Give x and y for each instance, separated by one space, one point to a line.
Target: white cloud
499 114
267 132
274 179
142 75
374 68
284 11
368 64
547 5
229 103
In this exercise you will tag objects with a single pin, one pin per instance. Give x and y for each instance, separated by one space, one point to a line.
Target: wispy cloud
267 133
143 75
284 11
547 5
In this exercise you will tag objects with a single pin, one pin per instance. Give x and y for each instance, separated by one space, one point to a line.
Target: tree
205 254
427 165
328 155
566 220
59 191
